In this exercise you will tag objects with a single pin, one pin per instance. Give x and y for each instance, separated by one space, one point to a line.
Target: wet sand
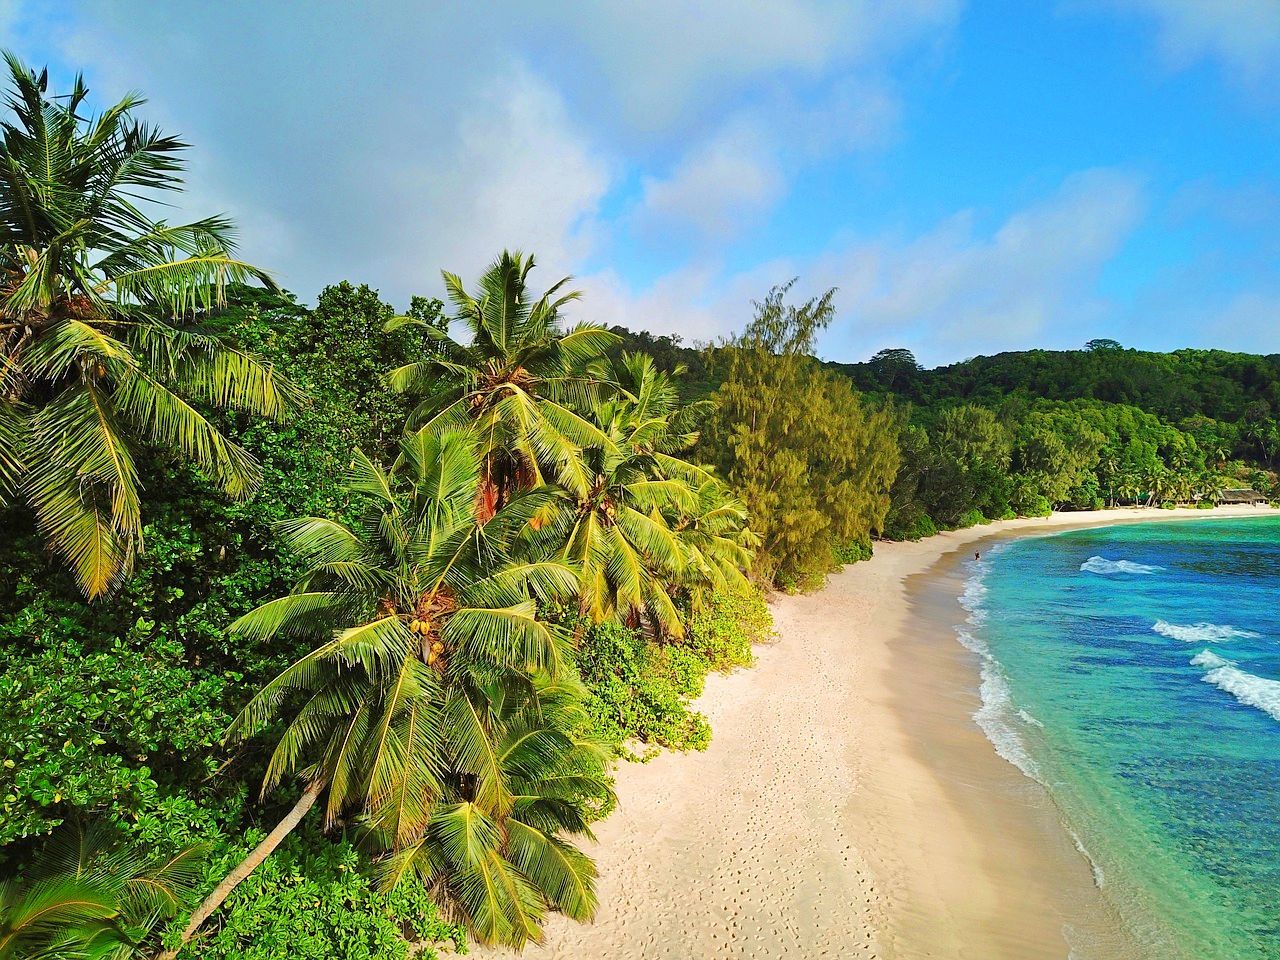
849 806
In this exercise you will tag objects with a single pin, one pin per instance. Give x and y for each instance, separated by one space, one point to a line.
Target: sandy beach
848 805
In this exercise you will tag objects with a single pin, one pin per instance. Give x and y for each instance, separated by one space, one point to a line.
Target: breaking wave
1201 632
1252 691
998 716
1105 567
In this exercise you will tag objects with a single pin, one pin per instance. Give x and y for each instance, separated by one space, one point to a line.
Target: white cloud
958 291
1244 34
1247 322
952 291
720 186
667 61
382 144
517 174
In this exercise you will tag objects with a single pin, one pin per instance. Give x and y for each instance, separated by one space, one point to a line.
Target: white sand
833 816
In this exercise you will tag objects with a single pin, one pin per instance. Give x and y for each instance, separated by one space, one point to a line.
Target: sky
973 175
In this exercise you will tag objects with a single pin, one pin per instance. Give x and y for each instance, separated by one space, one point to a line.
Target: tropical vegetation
99 308
321 626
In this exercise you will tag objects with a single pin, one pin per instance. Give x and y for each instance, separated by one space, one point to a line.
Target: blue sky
974 176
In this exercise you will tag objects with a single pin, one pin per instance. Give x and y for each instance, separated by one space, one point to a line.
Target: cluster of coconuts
423 628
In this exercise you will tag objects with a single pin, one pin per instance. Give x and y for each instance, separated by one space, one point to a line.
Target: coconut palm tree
1209 486
100 353
718 544
1109 473
518 780
711 527
411 602
1159 483
614 520
519 378
92 897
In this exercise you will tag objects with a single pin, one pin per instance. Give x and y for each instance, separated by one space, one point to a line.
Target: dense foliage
102 355
119 707
116 710
1027 433
1173 386
259 557
640 691
314 899
812 461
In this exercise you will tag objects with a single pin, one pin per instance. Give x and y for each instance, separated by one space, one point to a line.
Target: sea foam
1201 632
1250 690
998 716
1105 567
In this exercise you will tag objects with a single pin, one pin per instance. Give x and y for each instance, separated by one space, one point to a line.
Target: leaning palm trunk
250 863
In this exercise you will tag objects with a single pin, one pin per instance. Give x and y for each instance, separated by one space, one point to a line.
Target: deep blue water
1135 671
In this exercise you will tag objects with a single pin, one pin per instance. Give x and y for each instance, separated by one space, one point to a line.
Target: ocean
1134 671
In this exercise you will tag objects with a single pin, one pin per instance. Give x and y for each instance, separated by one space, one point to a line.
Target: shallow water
1135 672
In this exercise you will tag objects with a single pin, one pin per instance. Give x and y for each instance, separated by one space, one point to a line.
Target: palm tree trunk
250 863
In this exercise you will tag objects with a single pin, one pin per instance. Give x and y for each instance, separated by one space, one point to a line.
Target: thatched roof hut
1242 495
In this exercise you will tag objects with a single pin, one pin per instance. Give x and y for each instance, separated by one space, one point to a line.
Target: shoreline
849 805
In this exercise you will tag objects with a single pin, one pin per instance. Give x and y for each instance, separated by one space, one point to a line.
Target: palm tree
411 602
1219 450
515 784
718 544
613 520
1108 471
100 354
93 897
711 527
517 379
1210 486
1159 482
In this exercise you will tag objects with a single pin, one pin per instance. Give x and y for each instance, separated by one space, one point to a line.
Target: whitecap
1101 565
1250 690
1207 658
1201 632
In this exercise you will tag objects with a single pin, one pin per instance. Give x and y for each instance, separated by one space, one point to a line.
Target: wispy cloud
955 290
716 189
383 144
1244 35
670 141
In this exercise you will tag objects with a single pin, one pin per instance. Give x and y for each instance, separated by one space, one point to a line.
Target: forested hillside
1023 433
1174 386
1028 432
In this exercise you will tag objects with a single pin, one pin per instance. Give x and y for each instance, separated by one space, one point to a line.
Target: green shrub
1035 506
1204 504
639 689
801 581
727 626
313 900
970 518
853 552
631 693
916 526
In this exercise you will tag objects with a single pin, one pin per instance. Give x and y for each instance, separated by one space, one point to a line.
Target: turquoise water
1135 672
